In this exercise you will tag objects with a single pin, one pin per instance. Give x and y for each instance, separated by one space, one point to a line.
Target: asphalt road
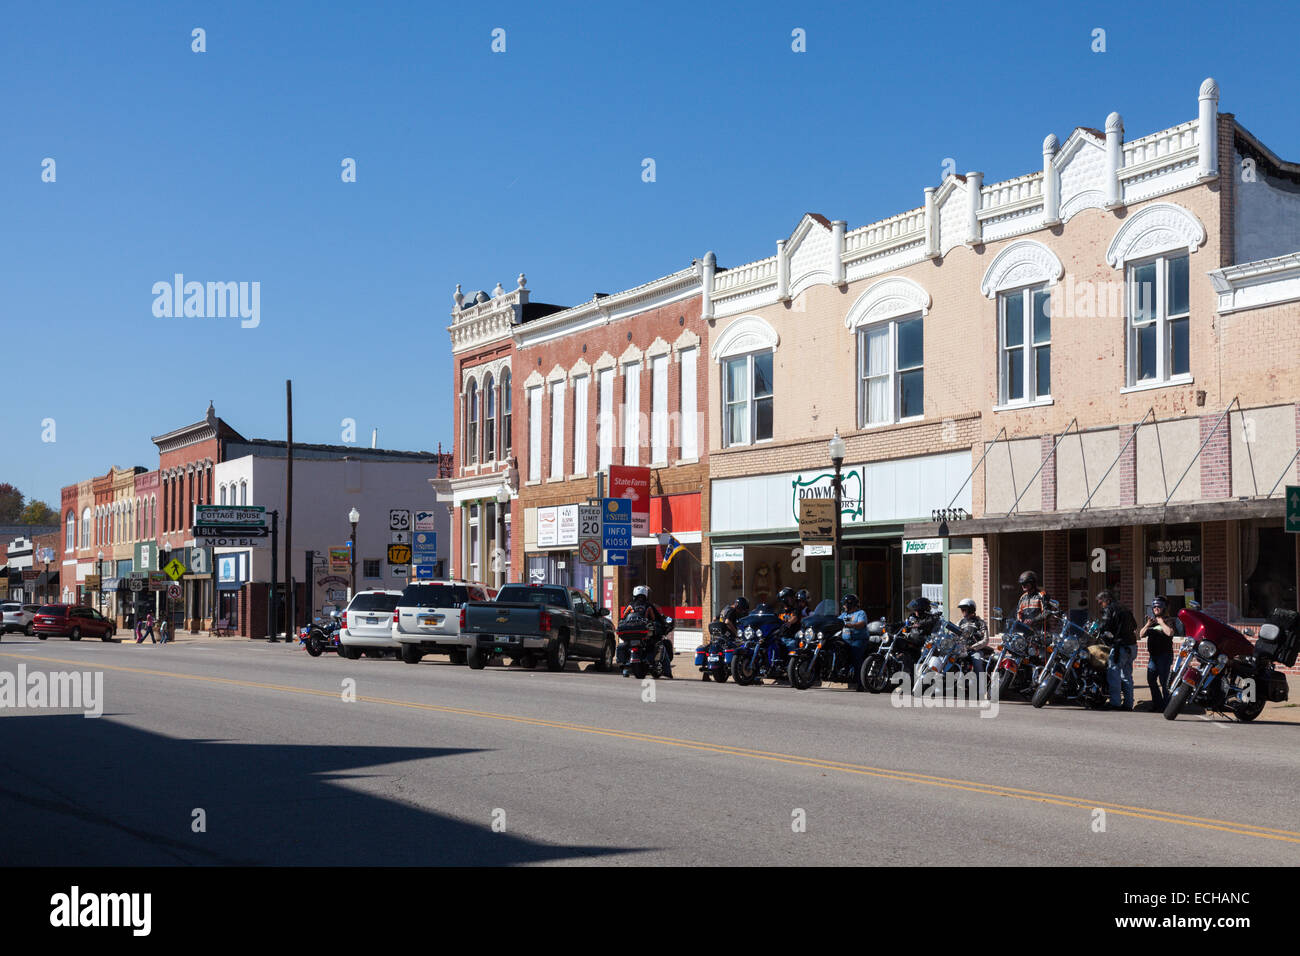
436 764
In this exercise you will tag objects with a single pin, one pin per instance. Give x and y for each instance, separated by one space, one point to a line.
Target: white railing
762 271
905 225
1162 143
1011 191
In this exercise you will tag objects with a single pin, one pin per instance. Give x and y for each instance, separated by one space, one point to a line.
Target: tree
38 512
11 503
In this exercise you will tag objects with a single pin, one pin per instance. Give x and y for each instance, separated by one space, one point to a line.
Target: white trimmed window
471 425
688 409
1159 315
223 494
535 433
747 399
557 431
70 541
631 413
659 410
507 433
606 420
85 528
580 388
891 374
243 493
1024 346
489 419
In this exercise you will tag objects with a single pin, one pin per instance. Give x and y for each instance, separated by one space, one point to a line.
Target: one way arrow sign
1293 508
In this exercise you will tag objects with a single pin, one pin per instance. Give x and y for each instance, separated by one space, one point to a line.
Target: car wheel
43 637
476 659
411 654
75 635
351 653
606 662
29 630
558 655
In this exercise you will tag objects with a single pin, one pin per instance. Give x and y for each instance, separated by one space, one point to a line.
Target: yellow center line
816 763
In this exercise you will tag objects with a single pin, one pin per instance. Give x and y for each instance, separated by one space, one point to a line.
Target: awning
1173 513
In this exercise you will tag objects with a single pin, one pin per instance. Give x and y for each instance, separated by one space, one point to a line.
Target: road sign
424 521
231 531
136 584
30 575
232 540
589 551
399 570
399 519
157 581
617 524
228 515
174 592
424 549
399 554
340 559
91 582
174 569
401 537
616 557
424 572
1293 508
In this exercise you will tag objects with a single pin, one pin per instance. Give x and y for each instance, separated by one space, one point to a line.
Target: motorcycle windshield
1201 627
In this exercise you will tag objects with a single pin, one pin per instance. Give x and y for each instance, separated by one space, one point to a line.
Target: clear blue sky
474 166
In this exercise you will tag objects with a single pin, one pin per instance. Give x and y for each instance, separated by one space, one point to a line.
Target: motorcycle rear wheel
314 647
720 674
800 673
1177 701
1248 712
639 670
1045 691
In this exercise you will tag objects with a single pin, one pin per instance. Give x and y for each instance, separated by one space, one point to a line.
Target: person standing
1118 624
1160 629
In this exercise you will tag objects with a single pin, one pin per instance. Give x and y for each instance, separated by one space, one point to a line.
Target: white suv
18 617
427 618
368 624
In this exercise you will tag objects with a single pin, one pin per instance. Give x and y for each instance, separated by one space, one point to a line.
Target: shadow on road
79 792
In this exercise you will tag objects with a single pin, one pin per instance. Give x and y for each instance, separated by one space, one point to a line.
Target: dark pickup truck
528 621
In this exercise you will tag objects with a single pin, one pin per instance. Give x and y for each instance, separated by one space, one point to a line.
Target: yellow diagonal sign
174 569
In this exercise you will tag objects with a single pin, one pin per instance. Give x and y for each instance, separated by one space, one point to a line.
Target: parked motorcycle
821 653
899 645
764 650
643 647
1075 671
1022 653
1219 669
321 635
714 658
944 654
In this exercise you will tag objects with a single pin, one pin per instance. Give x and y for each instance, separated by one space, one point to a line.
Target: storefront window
1268 569
681 586
1173 566
553 567
923 577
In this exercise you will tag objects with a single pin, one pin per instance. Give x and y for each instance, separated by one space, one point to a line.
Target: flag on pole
671 550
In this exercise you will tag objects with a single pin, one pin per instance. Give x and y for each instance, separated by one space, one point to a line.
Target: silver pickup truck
529 621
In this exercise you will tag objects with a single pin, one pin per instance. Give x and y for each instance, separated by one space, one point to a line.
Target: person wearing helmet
732 614
804 600
920 624
855 632
976 633
1032 609
1159 629
643 606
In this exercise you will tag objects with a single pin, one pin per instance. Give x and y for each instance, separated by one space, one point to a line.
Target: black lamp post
836 448
100 569
353 517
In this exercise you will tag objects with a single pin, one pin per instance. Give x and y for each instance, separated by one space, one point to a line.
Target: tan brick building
616 381
1094 365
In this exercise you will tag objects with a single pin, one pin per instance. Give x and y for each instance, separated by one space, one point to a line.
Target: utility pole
271 630
600 565
291 595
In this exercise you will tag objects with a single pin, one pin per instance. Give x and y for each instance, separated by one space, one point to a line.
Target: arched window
489 419
223 494
85 527
471 426
243 493
70 540
506 431
153 518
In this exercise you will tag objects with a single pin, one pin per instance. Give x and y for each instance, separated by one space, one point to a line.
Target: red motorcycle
1219 669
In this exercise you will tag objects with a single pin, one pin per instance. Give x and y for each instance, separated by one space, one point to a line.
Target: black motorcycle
714 658
321 635
899 647
765 647
643 647
822 654
1075 671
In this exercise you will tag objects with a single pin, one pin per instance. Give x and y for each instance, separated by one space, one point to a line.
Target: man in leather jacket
976 633
1119 630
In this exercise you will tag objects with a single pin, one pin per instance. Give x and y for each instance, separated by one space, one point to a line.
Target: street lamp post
100 569
353 517
836 448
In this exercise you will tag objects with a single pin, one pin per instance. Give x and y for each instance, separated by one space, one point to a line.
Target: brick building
616 381
1094 364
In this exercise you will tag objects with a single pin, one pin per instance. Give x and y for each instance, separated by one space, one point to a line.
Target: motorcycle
713 658
1076 668
643 647
898 644
944 654
1015 666
821 653
764 650
321 635
1219 669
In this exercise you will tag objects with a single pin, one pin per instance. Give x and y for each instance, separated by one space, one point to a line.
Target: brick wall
1056 556
1215 460
1048 473
1214 570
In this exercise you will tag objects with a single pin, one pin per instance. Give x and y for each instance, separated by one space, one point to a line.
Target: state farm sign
633 483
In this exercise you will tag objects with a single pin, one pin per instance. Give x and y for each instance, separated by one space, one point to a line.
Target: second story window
535 433
506 433
1024 346
891 374
747 399
489 419
1158 309
471 424
557 431
606 418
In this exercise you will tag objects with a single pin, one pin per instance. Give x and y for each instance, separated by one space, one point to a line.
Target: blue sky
473 166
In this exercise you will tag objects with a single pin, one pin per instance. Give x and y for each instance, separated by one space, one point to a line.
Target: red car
72 621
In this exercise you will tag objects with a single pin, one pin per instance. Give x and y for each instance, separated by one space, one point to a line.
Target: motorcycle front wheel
800 672
1178 701
872 674
741 670
1046 691
1005 682
314 647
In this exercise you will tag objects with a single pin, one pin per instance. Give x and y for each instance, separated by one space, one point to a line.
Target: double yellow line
728 750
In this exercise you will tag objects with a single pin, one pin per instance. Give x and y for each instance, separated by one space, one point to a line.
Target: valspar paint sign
923 546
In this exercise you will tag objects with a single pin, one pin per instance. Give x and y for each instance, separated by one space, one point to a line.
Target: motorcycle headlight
1223 658
1206 650
1069 645
749 633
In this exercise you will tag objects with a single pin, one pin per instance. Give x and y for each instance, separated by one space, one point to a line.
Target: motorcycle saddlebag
1276 690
